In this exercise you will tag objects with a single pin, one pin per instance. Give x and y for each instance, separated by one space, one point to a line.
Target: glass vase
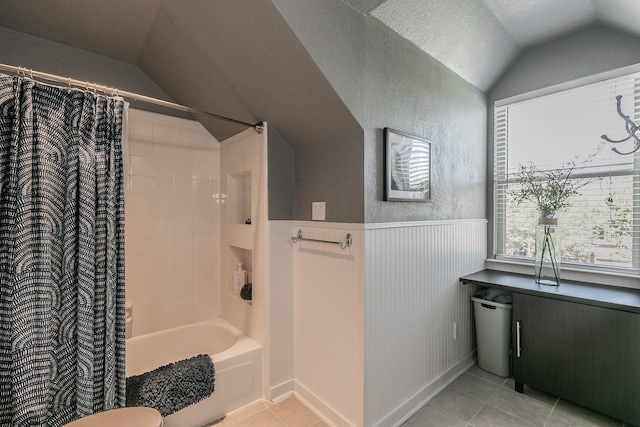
547 270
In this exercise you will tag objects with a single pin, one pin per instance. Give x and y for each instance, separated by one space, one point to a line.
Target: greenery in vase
550 190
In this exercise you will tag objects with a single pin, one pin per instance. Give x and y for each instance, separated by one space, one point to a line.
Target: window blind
601 227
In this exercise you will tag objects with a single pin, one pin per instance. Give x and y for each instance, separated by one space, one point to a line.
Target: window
601 227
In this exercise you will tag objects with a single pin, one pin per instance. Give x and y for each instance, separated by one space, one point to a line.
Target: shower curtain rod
26 72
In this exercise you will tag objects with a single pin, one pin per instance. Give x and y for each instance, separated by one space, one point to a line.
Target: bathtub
237 359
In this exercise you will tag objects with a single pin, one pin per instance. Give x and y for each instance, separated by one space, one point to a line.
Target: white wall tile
140 146
184 169
140 205
162 130
141 186
139 245
141 165
183 242
138 225
183 224
202 171
183 205
163 186
202 189
163 224
163 167
163 149
163 205
166 155
184 188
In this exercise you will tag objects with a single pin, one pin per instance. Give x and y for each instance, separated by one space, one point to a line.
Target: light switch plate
318 211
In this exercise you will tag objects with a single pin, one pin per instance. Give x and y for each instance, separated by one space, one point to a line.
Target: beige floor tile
457 403
494 417
264 418
294 413
475 386
244 413
521 406
488 376
431 416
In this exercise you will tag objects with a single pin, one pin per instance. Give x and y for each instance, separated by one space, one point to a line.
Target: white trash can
493 335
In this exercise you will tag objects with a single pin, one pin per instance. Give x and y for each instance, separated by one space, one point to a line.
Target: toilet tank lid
124 417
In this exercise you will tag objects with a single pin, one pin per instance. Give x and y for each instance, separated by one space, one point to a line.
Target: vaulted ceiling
478 39
234 58
226 56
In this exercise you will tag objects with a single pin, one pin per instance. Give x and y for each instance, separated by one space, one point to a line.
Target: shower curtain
62 332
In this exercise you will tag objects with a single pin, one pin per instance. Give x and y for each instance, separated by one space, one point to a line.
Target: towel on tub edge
173 387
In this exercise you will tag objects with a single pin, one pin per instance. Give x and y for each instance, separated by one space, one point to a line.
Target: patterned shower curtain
62 332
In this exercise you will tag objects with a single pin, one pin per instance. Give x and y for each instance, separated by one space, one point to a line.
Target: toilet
123 417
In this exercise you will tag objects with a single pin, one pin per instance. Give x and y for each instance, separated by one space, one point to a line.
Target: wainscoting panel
328 322
412 300
280 311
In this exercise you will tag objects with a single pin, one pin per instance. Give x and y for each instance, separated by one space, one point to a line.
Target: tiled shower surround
172 222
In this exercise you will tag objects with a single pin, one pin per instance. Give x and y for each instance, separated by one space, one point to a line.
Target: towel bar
346 244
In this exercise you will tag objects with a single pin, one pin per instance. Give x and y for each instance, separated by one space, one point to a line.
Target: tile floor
288 413
475 399
480 399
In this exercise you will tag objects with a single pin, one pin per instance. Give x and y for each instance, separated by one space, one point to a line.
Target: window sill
600 277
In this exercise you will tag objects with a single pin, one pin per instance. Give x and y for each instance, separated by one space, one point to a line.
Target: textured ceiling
478 39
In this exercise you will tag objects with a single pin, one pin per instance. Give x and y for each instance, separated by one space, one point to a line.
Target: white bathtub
236 357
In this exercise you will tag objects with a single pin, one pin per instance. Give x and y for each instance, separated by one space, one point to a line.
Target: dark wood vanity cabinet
586 354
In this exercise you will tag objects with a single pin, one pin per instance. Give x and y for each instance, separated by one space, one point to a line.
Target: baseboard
413 404
281 391
320 408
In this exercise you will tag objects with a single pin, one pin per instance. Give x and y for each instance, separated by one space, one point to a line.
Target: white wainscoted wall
279 366
372 334
412 299
172 222
328 319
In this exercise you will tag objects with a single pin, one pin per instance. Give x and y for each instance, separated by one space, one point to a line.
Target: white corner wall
412 298
280 311
328 322
171 222
243 189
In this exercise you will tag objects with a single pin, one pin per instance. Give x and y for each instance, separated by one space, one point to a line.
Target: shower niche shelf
239 255
239 204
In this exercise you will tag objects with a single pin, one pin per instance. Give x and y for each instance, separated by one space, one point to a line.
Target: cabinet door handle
518 349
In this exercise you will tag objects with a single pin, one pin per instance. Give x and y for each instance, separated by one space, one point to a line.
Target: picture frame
407 167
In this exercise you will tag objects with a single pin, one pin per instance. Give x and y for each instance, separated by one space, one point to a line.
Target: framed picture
407 167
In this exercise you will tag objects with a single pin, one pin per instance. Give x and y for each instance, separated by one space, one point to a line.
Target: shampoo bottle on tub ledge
239 278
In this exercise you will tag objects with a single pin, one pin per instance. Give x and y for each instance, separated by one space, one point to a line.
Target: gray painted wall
23 50
410 91
593 50
281 176
331 172
386 81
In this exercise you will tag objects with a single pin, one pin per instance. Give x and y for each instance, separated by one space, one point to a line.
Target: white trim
281 392
415 402
371 225
319 407
317 224
406 224
582 81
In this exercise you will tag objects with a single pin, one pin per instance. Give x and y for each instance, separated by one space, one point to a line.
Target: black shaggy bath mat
173 387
